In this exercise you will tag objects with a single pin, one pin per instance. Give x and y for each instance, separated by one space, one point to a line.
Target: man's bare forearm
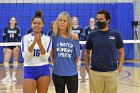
120 59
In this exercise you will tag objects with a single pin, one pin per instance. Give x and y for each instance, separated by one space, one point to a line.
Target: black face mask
101 25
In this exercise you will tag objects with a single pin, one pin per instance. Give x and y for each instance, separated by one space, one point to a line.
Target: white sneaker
6 79
82 81
14 79
79 77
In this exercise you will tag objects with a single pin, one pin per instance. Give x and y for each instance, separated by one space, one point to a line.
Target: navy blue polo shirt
104 46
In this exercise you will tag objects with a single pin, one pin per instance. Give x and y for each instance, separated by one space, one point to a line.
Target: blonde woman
65 52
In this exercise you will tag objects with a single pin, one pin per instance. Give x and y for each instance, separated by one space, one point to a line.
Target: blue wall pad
122 16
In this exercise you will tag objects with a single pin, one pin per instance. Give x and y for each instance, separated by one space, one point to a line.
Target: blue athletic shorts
36 72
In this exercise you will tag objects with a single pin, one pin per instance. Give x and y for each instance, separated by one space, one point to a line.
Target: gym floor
129 81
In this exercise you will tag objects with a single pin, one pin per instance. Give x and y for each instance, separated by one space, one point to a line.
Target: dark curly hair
106 13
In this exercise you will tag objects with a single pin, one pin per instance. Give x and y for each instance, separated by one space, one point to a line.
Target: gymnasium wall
122 12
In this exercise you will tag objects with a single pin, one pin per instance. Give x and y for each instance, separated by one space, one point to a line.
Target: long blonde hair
56 26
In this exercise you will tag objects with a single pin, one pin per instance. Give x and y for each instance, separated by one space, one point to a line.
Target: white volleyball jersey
35 58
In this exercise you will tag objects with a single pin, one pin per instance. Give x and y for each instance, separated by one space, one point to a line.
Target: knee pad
6 64
15 64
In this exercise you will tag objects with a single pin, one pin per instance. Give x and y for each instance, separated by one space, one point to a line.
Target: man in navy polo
105 67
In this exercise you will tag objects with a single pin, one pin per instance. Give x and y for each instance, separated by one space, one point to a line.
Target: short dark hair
106 13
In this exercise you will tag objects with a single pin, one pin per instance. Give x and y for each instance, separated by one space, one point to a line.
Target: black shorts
11 47
81 46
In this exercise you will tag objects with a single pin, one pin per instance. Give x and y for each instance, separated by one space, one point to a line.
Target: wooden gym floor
129 81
